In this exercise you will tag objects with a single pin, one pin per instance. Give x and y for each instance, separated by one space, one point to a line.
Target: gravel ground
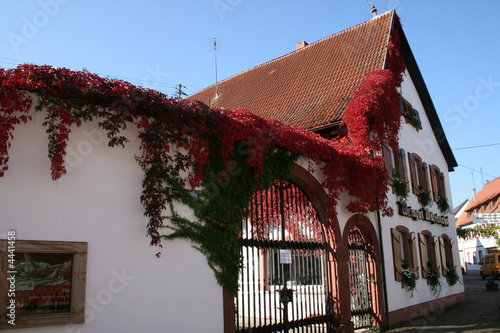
479 313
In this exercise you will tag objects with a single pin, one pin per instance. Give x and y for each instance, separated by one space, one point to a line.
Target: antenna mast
374 10
215 67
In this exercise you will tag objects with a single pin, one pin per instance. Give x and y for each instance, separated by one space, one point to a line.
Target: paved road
479 313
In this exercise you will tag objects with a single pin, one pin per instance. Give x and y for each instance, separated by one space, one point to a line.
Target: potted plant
444 207
400 187
409 277
424 197
452 276
433 278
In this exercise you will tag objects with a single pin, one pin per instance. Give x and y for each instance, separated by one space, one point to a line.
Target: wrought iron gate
283 283
361 309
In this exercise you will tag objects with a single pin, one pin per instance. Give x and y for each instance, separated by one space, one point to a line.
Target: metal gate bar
283 284
361 310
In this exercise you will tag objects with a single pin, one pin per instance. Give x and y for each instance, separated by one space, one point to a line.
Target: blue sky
159 44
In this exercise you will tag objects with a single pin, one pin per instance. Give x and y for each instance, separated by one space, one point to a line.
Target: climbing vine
227 155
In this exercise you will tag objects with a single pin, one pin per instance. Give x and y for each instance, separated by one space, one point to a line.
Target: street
479 313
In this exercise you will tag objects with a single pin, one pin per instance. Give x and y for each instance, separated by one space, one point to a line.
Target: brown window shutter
453 264
441 186
423 178
437 254
434 173
396 254
422 242
443 251
413 174
401 166
386 153
413 252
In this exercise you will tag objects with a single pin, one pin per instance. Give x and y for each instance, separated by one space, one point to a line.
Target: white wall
98 202
422 142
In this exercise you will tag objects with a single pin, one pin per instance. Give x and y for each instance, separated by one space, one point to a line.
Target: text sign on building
423 214
486 218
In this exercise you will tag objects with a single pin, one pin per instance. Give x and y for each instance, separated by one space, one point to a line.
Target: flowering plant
424 197
452 276
400 187
444 207
409 277
433 278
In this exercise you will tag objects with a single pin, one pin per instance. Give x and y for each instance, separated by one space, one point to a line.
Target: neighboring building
80 242
311 87
457 211
482 210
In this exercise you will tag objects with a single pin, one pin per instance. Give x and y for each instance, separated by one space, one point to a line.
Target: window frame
403 248
76 315
418 174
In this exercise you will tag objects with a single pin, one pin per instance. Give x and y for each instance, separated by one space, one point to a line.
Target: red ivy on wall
166 124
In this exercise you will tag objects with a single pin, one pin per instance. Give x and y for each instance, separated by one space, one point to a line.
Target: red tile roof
485 201
311 86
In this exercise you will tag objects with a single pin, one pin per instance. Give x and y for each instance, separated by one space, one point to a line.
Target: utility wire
477 171
481 146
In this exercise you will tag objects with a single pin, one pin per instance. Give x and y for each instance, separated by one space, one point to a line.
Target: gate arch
284 282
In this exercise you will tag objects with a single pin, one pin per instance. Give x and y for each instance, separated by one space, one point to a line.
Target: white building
482 211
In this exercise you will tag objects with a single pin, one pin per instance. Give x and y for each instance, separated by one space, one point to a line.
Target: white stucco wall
98 202
424 143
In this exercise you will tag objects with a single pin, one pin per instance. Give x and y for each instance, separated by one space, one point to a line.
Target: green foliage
444 207
222 206
400 187
409 277
452 276
489 231
413 120
424 196
433 277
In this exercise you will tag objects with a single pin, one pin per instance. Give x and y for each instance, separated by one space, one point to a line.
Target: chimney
300 45
473 194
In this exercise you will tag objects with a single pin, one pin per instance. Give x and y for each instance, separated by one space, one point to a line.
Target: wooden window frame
76 315
418 174
437 183
404 247
448 260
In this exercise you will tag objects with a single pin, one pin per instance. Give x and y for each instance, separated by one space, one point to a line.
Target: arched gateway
284 282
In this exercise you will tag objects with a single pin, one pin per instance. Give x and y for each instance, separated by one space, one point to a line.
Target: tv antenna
374 10
215 43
